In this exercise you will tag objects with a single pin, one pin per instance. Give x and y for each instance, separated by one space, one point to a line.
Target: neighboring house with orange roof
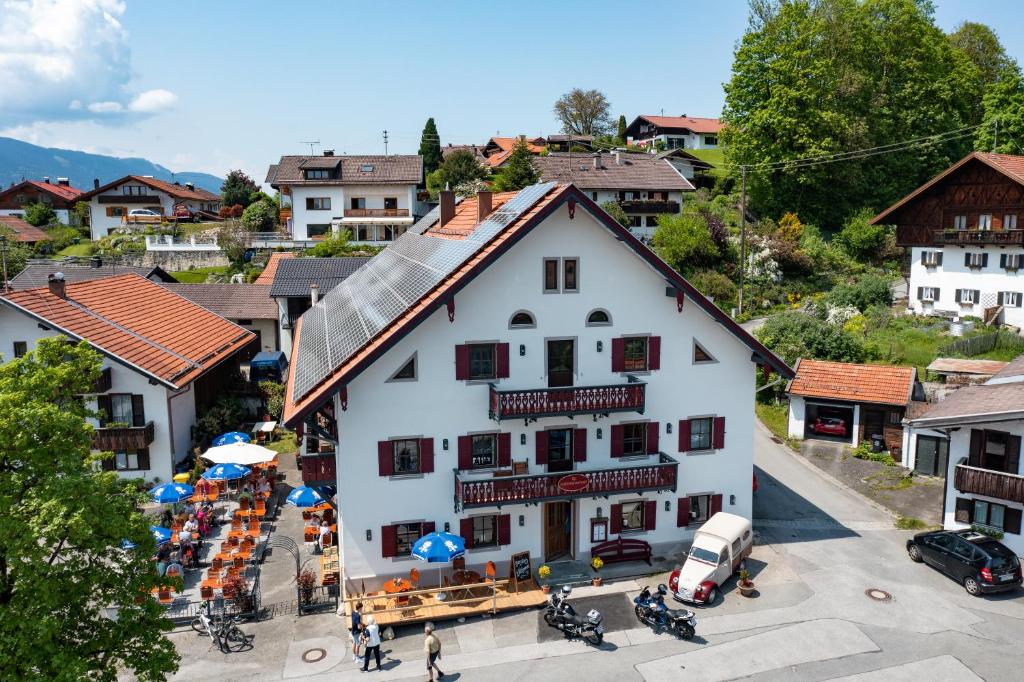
21 231
531 343
110 204
962 231
675 132
270 269
498 149
867 400
60 196
164 359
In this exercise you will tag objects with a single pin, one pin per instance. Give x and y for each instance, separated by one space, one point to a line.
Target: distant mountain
23 161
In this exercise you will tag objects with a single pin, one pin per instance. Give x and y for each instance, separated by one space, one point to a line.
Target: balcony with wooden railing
319 469
650 206
566 401
123 437
376 213
472 491
969 237
998 484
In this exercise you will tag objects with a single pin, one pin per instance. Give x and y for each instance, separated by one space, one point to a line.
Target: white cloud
66 60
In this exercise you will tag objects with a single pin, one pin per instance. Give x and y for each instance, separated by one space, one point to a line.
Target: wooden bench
622 549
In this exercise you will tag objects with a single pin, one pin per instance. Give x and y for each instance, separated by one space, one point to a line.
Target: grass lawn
716 157
199 275
83 248
775 416
285 445
907 344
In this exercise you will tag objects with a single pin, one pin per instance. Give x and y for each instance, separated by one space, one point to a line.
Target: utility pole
743 232
385 143
995 138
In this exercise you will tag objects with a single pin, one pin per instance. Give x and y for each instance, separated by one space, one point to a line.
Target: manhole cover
313 655
878 595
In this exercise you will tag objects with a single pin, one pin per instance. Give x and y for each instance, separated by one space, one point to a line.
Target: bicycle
224 631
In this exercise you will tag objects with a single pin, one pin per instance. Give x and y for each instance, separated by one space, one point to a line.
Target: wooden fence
985 343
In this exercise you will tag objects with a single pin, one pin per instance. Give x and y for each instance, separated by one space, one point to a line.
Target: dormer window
366 168
318 174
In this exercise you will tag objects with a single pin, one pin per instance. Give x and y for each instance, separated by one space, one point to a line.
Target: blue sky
202 85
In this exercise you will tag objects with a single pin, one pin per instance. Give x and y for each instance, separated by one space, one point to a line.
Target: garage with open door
829 421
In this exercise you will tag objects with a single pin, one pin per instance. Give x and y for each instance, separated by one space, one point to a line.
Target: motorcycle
650 609
562 616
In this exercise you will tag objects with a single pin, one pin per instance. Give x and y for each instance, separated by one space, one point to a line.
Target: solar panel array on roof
359 308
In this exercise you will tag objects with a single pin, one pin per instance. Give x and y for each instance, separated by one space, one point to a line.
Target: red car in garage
829 426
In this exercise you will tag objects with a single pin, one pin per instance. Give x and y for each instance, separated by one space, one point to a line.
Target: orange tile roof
267 276
507 143
176 191
882 384
23 231
465 220
138 322
65 192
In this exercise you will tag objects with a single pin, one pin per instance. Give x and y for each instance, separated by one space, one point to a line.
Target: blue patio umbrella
232 437
226 472
439 548
127 544
168 493
303 497
161 535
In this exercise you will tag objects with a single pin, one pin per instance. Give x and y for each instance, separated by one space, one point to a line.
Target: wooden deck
469 600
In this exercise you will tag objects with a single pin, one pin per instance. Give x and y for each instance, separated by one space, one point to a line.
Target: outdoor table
207 497
397 586
466 577
236 534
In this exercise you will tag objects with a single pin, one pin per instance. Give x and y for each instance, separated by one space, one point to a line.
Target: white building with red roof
675 132
59 196
110 204
164 358
520 369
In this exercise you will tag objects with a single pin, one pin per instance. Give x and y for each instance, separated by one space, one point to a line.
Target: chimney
58 287
447 207
95 183
314 292
190 186
618 158
46 179
95 262
597 160
484 205
328 152
63 182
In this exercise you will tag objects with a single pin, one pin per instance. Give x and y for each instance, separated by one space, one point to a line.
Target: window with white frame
985 221
975 260
931 259
966 296
1010 221
929 294
485 531
632 516
1010 261
1010 299
960 222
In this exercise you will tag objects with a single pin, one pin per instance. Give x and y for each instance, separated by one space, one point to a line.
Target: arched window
599 318
522 320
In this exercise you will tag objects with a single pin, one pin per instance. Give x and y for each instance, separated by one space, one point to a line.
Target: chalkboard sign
520 569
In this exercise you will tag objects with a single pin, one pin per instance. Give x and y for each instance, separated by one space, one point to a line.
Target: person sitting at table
264 487
190 525
163 558
202 487
325 530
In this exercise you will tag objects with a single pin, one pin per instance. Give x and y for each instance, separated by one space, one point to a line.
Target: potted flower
307 581
544 572
596 563
745 584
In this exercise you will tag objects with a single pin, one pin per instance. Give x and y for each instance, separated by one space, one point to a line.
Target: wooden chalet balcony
1003 486
376 213
650 206
473 491
319 469
123 437
566 401
103 383
966 237
284 214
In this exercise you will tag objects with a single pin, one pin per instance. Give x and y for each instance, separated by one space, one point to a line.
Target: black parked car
979 563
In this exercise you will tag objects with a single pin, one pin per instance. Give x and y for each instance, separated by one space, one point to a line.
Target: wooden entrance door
557 530
874 423
561 358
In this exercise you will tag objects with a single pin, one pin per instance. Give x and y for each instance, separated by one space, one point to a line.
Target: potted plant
544 572
307 581
236 590
745 584
596 563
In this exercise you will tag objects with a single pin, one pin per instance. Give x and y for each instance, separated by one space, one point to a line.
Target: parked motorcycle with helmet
562 616
650 609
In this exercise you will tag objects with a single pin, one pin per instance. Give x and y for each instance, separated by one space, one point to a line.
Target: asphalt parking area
617 610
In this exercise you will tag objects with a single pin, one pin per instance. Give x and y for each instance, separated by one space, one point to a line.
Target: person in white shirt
190 526
371 636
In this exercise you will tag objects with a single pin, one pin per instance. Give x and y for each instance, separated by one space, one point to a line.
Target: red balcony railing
567 401
376 213
472 491
319 469
997 484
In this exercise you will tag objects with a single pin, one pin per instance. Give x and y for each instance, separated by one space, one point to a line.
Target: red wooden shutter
427 527
579 445
650 515
388 541
461 362
504 529
616 514
684 435
718 433
652 437
465 452
504 449
426 455
138 413
385 458
542 447
654 352
683 512
466 531
716 505
501 351
618 355
143 457
618 434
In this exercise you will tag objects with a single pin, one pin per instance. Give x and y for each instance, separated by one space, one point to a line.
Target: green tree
981 45
819 77
63 522
237 189
14 254
334 244
583 112
861 239
519 171
621 131
613 209
39 214
793 335
868 291
715 286
81 212
260 217
430 147
685 243
1003 102
457 168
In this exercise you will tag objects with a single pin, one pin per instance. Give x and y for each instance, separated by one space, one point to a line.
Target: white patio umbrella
239 453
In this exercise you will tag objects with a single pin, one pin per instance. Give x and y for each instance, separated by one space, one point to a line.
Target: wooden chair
238 562
236 523
244 550
309 534
329 516
306 515
491 571
206 592
234 542
225 546
164 595
459 564
174 571
216 565
261 504
414 577
243 503
234 572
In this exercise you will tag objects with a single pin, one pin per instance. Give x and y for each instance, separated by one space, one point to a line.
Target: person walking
432 648
371 637
356 628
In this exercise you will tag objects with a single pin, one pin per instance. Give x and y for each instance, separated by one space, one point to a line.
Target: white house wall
340 196
797 416
953 275
437 406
